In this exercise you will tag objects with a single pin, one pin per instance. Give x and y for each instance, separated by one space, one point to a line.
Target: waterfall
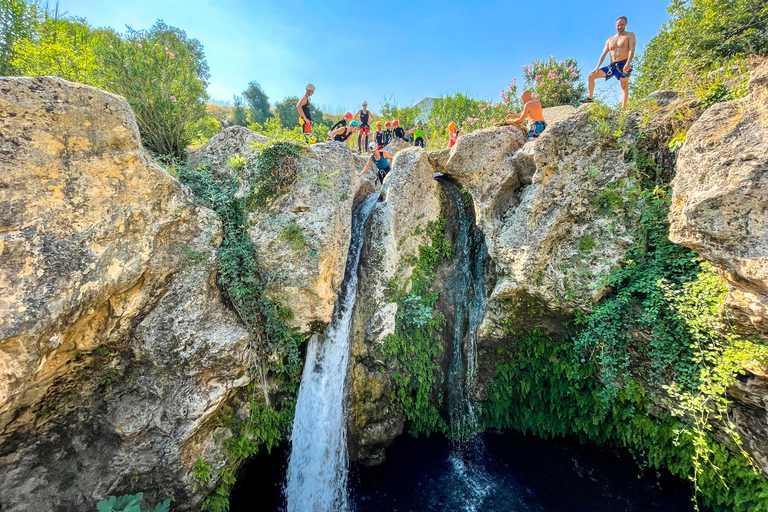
465 288
317 469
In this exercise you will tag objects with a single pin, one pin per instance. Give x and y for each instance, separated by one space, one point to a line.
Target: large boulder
720 196
115 348
303 236
235 140
395 230
538 205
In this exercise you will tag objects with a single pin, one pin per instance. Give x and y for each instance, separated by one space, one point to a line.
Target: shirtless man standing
622 48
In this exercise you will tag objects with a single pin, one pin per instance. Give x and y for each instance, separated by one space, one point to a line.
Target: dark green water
503 473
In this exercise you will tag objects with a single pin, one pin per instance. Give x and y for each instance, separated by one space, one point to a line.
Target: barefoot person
622 49
305 118
532 109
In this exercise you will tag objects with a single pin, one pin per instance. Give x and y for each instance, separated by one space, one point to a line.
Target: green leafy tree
239 115
163 75
258 103
18 22
454 107
406 116
700 36
289 116
555 82
55 45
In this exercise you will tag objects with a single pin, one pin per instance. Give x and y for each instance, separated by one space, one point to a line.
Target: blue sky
405 49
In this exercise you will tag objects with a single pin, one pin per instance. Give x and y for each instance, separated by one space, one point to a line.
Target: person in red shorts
305 117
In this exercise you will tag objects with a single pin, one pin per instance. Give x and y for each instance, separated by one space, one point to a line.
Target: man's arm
602 57
526 112
299 104
632 44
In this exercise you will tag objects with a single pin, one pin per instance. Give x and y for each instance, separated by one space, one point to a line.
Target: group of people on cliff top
622 50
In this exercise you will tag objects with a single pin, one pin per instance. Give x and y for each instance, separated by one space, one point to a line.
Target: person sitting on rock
343 122
453 134
419 137
381 159
365 128
387 133
532 109
343 133
378 135
397 132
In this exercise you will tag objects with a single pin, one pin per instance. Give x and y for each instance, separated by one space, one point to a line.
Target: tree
289 116
18 22
163 75
55 45
239 117
258 103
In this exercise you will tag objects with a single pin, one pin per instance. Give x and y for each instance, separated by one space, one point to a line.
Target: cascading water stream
465 287
466 290
317 469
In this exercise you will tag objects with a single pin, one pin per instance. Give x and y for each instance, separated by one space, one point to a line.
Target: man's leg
591 81
624 91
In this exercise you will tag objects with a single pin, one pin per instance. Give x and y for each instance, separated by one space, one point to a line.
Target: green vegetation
660 335
416 342
276 168
130 503
555 82
161 72
293 234
273 347
701 36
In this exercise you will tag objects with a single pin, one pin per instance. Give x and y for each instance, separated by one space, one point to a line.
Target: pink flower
569 89
110 46
140 45
493 119
514 79
573 74
170 54
166 48
554 94
570 68
539 77
173 98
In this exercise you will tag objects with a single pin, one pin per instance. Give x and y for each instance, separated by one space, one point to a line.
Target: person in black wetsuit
305 117
345 132
387 133
343 122
397 132
378 135
366 116
381 160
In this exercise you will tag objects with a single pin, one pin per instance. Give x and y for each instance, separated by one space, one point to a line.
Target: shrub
555 82
204 129
18 21
163 75
700 36
130 503
54 45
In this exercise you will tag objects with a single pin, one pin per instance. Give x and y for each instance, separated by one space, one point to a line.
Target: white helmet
310 87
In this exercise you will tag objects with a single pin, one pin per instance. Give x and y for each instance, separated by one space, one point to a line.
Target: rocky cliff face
720 202
115 347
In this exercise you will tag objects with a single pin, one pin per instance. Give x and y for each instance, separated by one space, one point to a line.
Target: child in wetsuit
343 133
419 136
387 133
397 132
378 135
340 124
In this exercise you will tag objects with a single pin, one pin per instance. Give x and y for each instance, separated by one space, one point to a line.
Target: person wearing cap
387 133
453 134
419 136
381 160
345 132
343 122
397 132
305 118
378 135
366 116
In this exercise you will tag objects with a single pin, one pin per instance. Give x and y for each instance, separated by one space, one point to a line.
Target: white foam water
318 465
